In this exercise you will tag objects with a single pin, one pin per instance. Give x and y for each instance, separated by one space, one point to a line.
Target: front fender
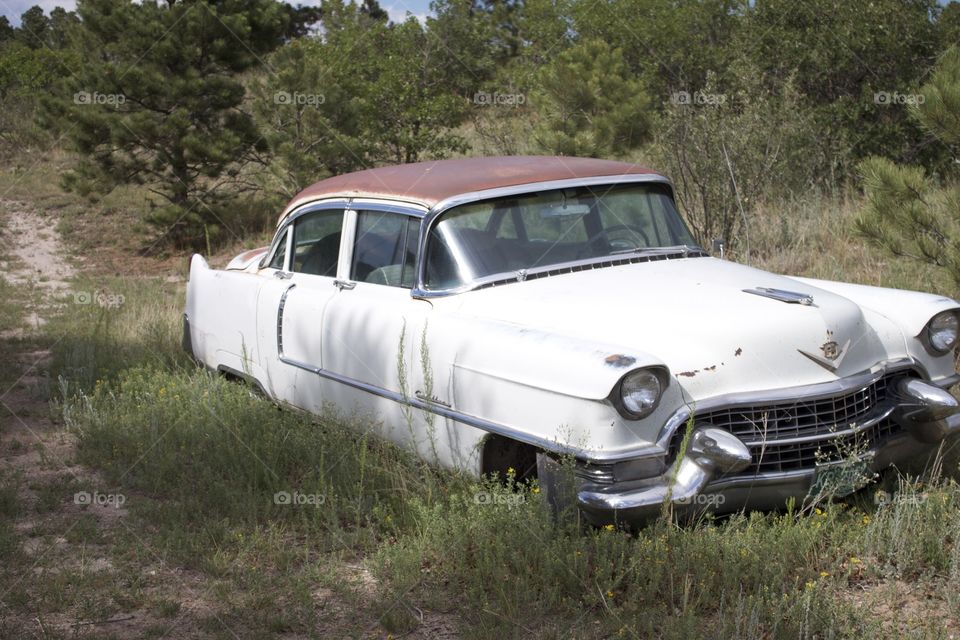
545 360
910 311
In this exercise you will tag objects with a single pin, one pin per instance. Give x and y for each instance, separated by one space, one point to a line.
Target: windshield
546 228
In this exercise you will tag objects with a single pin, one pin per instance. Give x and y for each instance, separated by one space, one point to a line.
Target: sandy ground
33 259
35 446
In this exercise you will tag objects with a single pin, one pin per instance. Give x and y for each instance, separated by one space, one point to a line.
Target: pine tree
590 104
909 212
157 102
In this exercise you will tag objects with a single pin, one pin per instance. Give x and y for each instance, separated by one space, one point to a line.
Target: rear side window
316 243
386 249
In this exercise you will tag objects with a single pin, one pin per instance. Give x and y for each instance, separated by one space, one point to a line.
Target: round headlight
640 392
943 331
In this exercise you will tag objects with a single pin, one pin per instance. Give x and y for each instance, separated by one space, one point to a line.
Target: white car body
503 371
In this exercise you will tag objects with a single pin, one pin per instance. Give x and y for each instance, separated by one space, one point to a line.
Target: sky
397 9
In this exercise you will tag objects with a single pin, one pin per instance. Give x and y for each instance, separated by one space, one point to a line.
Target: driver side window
386 248
316 243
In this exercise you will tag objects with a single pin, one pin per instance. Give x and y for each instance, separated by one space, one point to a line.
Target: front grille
764 428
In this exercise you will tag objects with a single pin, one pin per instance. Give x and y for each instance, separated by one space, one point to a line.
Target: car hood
694 316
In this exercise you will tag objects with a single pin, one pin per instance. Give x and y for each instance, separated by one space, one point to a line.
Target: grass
375 542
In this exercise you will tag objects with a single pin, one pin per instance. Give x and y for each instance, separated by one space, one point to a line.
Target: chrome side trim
416 403
283 303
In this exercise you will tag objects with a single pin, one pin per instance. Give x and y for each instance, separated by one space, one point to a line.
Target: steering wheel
605 233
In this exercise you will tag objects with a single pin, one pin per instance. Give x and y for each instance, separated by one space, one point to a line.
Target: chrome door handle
344 284
283 275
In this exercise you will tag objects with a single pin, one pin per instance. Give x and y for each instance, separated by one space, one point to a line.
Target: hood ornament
833 355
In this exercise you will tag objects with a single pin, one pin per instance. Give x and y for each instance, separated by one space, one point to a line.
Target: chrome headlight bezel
935 345
659 373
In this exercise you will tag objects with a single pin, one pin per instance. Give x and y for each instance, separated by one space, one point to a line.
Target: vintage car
498 313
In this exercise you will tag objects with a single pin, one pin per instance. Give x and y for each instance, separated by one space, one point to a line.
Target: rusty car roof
427 183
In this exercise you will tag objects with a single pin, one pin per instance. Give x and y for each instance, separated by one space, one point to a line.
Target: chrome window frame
351 207
428 218
274 245
421 291
362 206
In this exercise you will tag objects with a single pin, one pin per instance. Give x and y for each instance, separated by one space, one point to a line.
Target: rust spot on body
689 374
619 361
738 352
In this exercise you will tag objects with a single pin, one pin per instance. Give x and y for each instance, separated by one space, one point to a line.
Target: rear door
292 304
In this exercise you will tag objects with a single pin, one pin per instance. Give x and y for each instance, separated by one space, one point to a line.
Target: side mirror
718 247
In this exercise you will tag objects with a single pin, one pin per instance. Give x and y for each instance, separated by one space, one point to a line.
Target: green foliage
6 29
157 102
33 27
840 55
726 152
26 74
328 106
671 46
408 104
907 211
308 110
589 104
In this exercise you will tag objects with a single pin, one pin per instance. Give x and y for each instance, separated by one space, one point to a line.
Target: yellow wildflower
855 560
866 519
609 527
610 594
824 574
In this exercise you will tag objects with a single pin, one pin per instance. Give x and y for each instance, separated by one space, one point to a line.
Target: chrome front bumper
705 477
